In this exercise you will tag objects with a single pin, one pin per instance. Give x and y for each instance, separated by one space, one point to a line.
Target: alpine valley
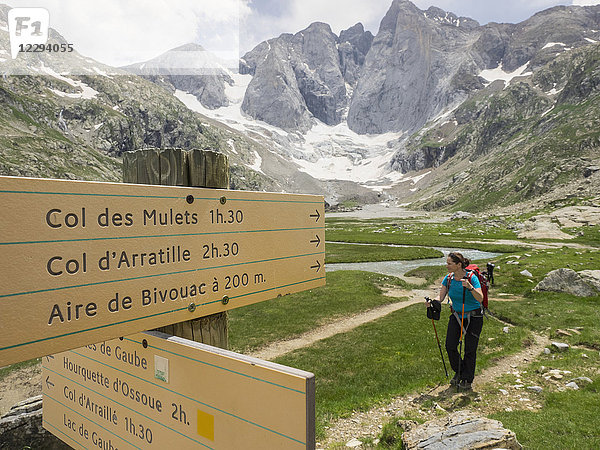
435 111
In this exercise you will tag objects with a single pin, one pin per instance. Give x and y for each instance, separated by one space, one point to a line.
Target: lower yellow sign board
152 390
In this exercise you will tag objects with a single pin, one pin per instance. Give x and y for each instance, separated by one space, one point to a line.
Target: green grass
5 371
549 312
568 420
392 356
398 354
539 263
455 233
590 235
346 293
344 253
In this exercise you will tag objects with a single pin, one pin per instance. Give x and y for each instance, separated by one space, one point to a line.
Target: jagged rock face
208 89
315 60
405 161
492 44
561 24
514 143
409 69
419 64
273 95
354 44
309 70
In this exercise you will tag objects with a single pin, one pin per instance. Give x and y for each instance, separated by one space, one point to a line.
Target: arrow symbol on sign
49 357
318 216
317 241
48 382
318 266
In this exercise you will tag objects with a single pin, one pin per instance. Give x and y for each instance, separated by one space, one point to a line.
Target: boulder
22 427
461 215
542 227
560 346
537 389
461 429
568 281
591 277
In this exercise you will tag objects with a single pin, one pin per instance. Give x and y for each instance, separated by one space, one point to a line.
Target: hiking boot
454 381
464 385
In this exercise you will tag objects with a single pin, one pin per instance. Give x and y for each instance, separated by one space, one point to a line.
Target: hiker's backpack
473 271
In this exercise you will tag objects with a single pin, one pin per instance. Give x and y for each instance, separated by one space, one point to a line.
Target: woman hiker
458 285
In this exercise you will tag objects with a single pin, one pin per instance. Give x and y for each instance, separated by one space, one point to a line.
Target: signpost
84 262
154 391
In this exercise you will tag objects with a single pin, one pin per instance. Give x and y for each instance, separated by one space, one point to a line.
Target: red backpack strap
450 278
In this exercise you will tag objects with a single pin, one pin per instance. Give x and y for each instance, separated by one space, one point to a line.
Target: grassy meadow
398 354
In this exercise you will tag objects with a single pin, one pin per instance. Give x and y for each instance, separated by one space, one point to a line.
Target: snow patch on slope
491 75
87 92
325 152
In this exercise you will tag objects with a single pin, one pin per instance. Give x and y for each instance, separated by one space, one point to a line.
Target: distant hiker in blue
465 292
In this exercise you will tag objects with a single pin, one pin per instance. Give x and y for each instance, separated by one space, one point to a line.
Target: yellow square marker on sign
206 425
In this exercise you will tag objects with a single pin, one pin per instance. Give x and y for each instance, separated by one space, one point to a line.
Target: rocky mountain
62 125
533 140
423 72
420 64
308 74
189 68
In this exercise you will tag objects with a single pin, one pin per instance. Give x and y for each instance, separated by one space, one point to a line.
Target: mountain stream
399 268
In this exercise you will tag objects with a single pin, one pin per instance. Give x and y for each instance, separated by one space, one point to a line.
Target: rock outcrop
571 282
22 428
462 429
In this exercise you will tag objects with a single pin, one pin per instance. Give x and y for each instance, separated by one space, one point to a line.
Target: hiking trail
343 325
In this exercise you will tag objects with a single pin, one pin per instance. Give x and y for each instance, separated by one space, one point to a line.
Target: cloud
119 32
265 22
510 11
270 18
586 2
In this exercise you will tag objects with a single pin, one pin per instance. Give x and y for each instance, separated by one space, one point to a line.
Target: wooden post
177 167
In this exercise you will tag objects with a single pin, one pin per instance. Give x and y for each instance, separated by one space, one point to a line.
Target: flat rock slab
22 427
460 430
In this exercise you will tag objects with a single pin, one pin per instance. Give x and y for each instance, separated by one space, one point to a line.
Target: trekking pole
462 316
440 347
435 317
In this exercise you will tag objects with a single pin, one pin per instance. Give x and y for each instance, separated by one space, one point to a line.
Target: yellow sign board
152 390
83 262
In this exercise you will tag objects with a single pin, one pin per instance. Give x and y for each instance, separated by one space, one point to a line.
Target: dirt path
343 325
370 423
524 357
20 385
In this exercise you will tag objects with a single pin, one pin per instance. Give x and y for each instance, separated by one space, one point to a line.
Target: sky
120 32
